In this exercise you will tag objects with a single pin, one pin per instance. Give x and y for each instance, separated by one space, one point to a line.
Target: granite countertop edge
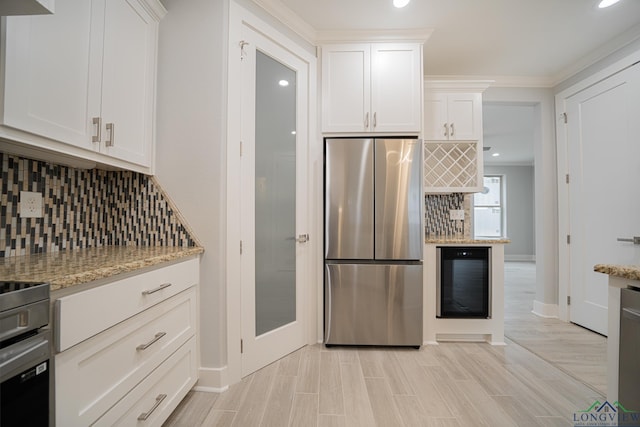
631 272
468 241
90 265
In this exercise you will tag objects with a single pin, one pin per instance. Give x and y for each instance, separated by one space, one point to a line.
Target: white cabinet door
50 89
453 116
435 117
127 81
346 88
465 116
396 87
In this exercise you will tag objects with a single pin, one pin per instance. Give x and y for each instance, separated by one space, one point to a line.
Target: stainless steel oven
25 355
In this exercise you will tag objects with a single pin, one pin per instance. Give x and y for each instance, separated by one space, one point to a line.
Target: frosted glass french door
274 200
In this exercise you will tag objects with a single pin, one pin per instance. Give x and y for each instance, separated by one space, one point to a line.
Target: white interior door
274 260
603 151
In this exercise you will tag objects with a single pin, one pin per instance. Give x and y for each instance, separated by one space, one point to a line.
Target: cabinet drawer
87 313
92 376
159 394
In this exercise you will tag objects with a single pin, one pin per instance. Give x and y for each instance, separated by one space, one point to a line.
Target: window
488 208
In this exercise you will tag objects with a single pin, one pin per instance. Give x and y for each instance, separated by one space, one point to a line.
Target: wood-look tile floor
451 384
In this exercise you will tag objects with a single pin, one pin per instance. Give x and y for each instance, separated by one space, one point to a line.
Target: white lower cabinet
152 402
141 366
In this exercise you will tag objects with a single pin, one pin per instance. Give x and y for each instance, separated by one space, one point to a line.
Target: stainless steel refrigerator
374 239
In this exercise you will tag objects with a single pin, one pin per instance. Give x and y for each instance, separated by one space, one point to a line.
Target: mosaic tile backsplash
437 222
84 208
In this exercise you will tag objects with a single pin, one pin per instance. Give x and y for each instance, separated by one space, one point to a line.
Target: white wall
191 155
545 182
520 207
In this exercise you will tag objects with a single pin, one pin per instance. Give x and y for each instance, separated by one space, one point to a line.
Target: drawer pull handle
143 416
150 343
159 288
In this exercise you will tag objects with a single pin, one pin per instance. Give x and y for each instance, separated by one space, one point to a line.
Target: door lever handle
635 240
302 238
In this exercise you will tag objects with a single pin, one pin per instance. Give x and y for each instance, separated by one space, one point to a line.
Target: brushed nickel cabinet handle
154 290
143 416
375 120
155 339
97 121
366 121
111 128
452 130
446 129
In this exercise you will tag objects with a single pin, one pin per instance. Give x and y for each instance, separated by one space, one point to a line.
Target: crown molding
499 81
293 21
448 84
289 18
607 49
419 35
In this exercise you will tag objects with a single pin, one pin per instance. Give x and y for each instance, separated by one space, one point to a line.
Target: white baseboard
531 258
212 380
545 310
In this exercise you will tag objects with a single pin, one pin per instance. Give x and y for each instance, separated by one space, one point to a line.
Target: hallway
575 350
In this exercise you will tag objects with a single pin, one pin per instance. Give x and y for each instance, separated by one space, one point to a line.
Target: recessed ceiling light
283 83
293 132
607 3
400 3
495 154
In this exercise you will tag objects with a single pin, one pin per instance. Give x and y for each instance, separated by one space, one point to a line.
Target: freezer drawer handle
635 240
143 416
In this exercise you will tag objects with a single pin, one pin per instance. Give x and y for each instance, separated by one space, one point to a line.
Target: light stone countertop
464 241
631 272
69 268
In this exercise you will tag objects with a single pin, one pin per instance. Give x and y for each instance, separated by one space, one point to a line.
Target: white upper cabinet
372 87
81 82
452 116
453 136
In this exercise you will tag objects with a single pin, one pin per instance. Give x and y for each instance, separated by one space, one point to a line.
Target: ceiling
537 41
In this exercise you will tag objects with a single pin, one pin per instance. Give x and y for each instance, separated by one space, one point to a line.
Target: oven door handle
23 355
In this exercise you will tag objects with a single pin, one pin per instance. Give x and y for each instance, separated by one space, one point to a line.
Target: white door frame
239 17
563 170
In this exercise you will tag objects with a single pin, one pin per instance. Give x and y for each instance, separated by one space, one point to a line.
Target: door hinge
568 239
241 347
568 299
567 178
240 247
564 117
